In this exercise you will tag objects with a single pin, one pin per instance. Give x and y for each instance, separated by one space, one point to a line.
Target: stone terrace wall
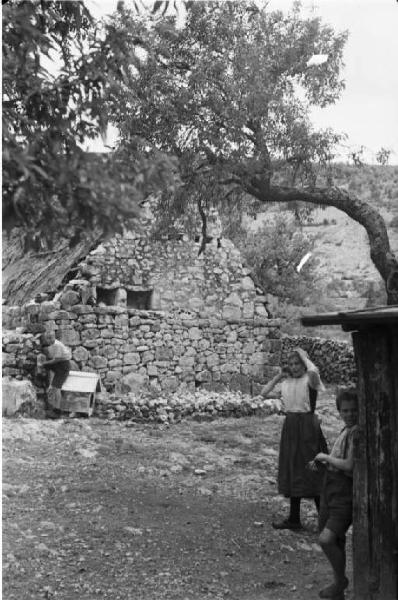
335 359
133 348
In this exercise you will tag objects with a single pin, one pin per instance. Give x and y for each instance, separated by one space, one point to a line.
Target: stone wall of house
128 271
133 348
213 283
335 359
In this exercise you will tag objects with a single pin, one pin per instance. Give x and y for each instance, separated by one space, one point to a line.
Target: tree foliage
383 156
221 93
51 187
274 252
229 95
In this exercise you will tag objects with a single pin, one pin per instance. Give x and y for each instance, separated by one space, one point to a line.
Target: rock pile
335 359
171 408
20 351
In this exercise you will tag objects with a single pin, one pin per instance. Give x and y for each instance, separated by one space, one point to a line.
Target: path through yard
98 509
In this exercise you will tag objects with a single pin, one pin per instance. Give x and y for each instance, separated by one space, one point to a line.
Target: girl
302 438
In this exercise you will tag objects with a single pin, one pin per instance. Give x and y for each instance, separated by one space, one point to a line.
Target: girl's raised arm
314 378
271 384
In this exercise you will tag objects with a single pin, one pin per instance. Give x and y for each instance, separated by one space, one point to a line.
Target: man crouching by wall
58 362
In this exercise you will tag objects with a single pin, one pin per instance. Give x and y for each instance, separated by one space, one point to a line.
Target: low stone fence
133 349
335 359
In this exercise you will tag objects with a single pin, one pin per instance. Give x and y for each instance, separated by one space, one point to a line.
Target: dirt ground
98 509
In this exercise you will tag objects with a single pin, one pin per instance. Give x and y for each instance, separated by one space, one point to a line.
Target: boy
59 362
335 514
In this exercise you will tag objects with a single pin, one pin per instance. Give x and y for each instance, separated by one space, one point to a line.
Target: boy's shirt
58 351
343 447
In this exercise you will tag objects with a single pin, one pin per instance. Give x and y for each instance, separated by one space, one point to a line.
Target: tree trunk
380 251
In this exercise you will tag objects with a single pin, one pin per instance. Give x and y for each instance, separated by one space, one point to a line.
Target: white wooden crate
78 392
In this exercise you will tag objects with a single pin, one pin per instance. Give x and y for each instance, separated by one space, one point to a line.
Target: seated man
59 357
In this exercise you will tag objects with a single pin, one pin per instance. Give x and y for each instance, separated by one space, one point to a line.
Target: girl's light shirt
296 394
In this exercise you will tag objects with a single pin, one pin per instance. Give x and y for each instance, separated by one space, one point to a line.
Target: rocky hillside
342 245
345 275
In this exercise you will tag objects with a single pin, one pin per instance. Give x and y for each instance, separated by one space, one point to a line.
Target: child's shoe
334 590
286 524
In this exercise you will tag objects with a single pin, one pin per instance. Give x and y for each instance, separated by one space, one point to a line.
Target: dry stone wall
132 349
20 351
213 283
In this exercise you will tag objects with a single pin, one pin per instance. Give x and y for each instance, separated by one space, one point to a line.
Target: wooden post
375 527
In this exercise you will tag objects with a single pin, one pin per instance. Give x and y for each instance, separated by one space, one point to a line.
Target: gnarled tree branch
380 251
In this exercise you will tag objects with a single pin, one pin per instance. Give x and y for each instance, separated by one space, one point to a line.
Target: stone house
141 311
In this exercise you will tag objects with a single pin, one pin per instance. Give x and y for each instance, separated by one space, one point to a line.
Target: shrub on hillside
394 222
274 252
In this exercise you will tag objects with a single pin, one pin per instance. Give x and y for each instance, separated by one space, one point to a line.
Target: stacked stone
335 359
20 352
123 261
133 348
171 408
13 317
211 282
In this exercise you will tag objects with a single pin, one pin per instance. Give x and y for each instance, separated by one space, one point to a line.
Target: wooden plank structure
78 392
375 526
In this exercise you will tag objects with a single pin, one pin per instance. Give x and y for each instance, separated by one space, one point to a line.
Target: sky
368 108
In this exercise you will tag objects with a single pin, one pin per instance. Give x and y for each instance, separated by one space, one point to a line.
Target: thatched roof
27 274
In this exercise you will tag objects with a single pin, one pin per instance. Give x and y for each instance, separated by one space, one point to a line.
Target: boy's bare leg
335 553
54 397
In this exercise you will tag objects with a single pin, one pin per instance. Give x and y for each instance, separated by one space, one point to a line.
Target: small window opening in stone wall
106 296
140 300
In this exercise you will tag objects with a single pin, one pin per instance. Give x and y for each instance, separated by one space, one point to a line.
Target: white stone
231 313
133 382
15 393
234 299
131 358
195 333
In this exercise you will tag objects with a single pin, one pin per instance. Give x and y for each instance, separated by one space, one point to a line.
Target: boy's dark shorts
336 503
61 371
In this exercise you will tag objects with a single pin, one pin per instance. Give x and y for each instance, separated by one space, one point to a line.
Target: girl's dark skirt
301 440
